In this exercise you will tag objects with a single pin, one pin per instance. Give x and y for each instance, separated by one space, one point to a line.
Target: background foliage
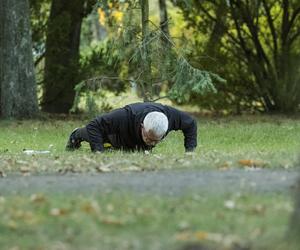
254 46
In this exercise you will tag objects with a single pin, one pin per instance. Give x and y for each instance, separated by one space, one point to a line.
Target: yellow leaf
224 166
90 207
245 162
251 163
101 15
118 15
200 235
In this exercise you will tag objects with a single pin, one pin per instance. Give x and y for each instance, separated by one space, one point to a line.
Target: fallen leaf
258 209
112 221
224 166
104 169
226 240
131 168
25 171
12 225
252 163
90 207
37 198
201 235
58 211
185 236
22 162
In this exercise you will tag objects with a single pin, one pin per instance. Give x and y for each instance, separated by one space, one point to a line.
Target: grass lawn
123 220
271 142
130 221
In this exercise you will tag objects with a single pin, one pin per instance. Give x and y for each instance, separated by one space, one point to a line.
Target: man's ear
142 125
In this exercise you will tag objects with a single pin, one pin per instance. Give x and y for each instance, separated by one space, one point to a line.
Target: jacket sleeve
182 121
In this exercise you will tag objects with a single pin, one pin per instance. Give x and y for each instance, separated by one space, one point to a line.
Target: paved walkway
165 182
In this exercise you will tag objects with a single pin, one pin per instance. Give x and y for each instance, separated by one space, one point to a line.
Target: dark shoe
73 143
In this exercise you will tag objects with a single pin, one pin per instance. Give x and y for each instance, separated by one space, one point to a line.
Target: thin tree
17 78
164 22
146 79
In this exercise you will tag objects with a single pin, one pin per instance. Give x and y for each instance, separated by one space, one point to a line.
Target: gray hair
157 122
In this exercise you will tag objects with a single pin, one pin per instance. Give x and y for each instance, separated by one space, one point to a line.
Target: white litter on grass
33 152
229 204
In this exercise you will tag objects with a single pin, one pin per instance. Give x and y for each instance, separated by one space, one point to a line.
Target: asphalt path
164 182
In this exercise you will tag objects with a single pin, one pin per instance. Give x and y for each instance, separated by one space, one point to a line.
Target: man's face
149 138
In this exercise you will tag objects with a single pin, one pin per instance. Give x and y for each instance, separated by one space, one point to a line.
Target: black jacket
122 127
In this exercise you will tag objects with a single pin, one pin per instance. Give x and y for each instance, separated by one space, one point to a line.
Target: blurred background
224 57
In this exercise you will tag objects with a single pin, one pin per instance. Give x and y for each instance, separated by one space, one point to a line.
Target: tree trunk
62 55
218 31
17 77
164 25
146 75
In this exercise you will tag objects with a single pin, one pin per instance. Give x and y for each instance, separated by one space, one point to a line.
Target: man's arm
182 121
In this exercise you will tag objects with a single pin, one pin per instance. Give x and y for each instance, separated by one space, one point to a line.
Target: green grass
122 220
271 141
128 221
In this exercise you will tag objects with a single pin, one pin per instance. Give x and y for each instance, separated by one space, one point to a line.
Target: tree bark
62 55
146 75
17 77
164 25
218 30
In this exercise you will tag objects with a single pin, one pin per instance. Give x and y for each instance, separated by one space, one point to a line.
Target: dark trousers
81 134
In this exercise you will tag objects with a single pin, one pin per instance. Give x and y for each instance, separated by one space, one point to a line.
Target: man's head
154 127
